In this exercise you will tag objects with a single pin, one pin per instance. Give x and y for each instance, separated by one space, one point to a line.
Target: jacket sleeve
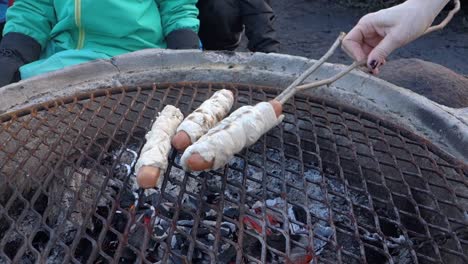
258 16
178 14
33 18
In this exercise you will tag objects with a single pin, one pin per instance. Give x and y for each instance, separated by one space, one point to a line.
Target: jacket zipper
81 32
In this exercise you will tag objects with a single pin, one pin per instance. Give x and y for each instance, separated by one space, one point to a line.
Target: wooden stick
446 20
331 79
290 91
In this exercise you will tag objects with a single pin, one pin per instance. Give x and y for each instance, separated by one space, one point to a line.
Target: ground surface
308 27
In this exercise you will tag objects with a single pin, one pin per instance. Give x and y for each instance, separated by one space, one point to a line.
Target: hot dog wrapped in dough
211 112
153 158
241 129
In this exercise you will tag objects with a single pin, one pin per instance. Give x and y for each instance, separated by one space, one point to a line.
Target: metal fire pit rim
100 92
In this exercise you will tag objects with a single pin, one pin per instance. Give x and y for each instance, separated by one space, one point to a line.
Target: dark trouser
2 24
223 21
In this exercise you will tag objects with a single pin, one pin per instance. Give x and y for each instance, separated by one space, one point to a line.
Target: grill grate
329 185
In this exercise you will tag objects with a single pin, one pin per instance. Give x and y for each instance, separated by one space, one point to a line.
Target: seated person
222 23
44 36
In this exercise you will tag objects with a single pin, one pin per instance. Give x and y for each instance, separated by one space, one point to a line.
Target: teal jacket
76 31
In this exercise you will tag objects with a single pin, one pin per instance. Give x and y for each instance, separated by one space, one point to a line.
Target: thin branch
331 79
446 20
289 92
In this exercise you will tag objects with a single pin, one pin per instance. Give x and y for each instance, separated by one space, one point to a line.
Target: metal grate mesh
329 185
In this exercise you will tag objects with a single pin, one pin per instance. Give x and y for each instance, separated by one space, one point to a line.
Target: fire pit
331 184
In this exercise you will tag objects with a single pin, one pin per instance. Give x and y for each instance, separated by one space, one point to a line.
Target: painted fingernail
374 64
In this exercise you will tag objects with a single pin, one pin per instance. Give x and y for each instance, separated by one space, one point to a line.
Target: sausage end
181 141
278 107
148 176
197 163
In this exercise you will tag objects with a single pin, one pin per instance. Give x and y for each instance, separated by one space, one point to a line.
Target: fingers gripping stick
294 87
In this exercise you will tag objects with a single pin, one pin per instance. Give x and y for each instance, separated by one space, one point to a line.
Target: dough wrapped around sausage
241 129
211 112
158 142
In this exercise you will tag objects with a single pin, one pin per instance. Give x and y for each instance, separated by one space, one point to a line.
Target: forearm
433 7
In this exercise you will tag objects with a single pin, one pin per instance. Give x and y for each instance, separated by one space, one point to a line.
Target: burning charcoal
277 241
209 223
273 154
159 233
231 212
197 254
202 231
236 163
252 246
128 256
128 156
295 228
227 255
255 173
300 213
213 198
325 232
121 171
305 258
210 214
313 175
252 223
185 216
225 231
57 255
318 209
190 202
135 236
176 241
396 242
152 198
127 198
373 237
119 221
232 227
188 223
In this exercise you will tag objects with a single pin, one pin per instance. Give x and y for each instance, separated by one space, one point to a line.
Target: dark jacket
223 21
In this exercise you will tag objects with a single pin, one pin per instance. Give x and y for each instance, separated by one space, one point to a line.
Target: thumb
380 53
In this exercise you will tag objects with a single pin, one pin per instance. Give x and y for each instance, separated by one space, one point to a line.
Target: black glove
183 39
16 50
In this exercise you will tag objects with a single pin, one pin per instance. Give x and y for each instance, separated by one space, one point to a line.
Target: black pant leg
2 24
258 17
220 24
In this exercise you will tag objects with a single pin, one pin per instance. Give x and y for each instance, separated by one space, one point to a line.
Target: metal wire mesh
329 185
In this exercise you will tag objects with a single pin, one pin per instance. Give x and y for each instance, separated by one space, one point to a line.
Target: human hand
378 34
183 39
